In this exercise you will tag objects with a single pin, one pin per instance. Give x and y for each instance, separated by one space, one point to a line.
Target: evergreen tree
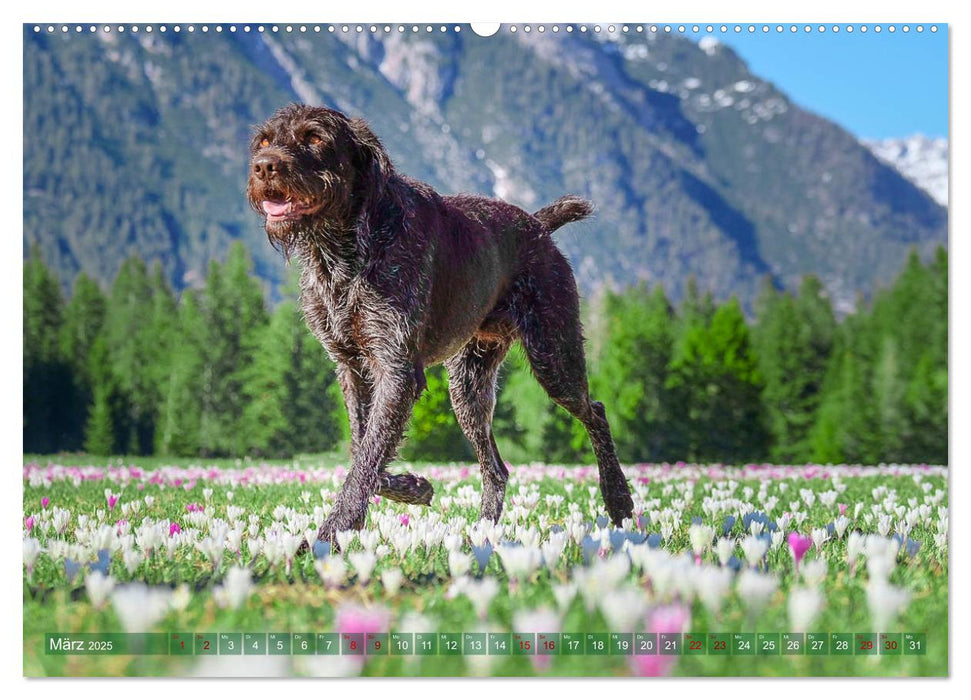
47 381
132 348
631 375
180 411
100 436
433 433
293 402
232 317
529 427
715 370
84 319
793 341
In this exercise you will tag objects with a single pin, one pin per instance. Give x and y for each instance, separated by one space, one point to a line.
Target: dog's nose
267 166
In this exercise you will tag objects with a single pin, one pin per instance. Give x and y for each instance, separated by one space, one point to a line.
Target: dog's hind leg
548 317
472 375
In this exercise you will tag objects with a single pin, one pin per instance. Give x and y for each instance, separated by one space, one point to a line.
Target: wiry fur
396 278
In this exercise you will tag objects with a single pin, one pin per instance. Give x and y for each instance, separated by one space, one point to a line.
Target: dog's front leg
394 394
356 387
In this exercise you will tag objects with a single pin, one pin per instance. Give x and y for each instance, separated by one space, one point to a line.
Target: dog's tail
564 211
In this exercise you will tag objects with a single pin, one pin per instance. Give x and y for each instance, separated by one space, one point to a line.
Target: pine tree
132 348
100 436
180 409
99 430
631 374
433 433
715 370
47 381
292 398
84 319
793 341
233 314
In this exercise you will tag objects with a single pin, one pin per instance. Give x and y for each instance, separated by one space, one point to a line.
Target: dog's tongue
275 208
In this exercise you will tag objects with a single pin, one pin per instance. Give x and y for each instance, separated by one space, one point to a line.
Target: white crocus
332 571
755 590
98 587
754 549
392 579
235 589
363 563
724 549
140 607
805 604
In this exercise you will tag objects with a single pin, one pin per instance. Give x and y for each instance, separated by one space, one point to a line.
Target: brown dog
396 278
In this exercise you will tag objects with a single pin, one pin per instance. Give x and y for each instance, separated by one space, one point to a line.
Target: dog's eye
314 140
264 143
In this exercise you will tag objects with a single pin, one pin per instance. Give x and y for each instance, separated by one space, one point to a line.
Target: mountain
920 159
136 143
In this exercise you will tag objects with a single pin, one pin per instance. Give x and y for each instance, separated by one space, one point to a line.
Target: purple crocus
44 502
29 523
174 529
799 544
842 507
112 501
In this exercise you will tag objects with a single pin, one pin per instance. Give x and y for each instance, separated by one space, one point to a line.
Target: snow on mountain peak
921 159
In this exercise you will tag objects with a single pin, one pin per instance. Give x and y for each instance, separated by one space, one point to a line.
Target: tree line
213 372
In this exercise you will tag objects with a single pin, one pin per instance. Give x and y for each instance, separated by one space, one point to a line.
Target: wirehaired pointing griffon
396 278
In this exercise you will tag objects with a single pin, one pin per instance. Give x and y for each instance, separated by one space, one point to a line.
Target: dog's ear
370 149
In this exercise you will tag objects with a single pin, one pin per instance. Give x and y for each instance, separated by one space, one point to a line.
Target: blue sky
875 85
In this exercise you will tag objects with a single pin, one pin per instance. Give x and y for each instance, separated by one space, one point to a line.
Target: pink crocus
842 507
193 507
799 544
404 519
44 502
112 501
664 619
29 523
174 529
353 619
376 500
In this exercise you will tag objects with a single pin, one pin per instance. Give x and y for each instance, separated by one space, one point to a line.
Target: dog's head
312 165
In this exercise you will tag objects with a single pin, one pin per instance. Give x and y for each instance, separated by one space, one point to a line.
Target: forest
214 372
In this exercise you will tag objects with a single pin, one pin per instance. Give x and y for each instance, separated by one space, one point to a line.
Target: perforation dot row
526 28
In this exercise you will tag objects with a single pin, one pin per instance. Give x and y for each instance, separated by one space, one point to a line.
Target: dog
396 278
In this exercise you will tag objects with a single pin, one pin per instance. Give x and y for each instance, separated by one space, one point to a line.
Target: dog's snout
267 166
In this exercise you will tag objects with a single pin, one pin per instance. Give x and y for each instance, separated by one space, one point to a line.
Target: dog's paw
406 488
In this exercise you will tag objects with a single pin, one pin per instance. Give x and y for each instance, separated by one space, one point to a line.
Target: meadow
195 546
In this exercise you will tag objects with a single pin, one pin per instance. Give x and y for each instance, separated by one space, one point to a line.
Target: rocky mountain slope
137 144
920 159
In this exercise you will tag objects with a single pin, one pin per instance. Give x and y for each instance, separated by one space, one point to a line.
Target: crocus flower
353 619
842 507
112 500
235 590
799 544
98 587
404 519
392 579
44 502
139 606
174 528
32 550
29 523
669 619
805 605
